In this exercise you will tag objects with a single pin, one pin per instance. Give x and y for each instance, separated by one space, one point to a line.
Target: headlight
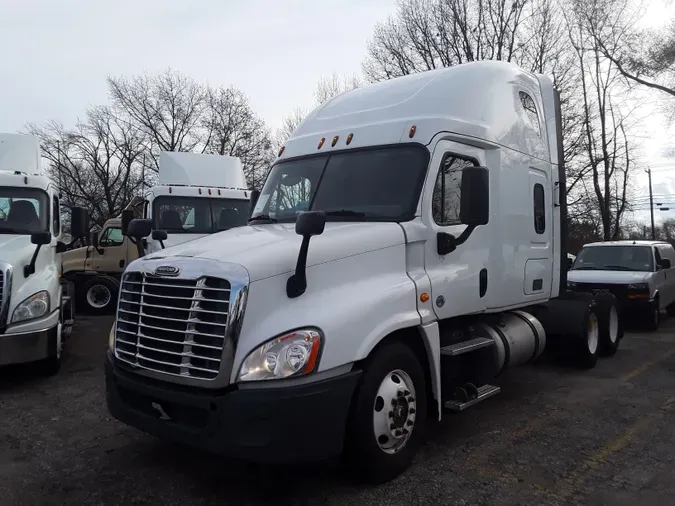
642 287
33 307
111 337
290 355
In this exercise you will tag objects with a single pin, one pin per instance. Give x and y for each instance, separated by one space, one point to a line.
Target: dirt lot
553 436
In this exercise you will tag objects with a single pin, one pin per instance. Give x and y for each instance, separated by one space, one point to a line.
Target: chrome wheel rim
394 412
98 296
592 331
613 325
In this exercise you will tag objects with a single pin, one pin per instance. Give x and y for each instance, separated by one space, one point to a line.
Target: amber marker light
349 138
323 139
335 139
424 297
413 129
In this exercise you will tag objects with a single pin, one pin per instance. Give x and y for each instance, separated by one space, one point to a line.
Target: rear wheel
388 415
588 341
100 294
610 324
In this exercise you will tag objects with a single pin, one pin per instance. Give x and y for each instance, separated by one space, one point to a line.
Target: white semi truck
407 247
196 195
36 311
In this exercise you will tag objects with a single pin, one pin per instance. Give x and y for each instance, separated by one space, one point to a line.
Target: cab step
484 392
466 346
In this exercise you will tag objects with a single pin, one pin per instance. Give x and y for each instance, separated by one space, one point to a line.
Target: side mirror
307 224
570 263
474 209
665 263
159 235
127 216
93 238
139 228
255 195
41 238
79 222
310 223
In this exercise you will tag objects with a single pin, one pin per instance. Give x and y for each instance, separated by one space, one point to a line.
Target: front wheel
388 415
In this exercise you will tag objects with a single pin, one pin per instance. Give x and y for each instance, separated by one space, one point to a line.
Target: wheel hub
394 412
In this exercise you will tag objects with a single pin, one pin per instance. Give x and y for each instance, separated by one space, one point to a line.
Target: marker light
413 129
335 139
281 150
349 138
323 139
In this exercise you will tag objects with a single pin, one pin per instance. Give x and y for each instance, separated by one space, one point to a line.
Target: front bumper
263 425
24 347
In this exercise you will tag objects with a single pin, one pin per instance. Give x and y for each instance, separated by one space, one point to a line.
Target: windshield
198 215
615 258
370 185
23 210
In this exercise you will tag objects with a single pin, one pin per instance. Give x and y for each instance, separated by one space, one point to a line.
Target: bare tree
235 130
606 148
645 57
169 107
97 164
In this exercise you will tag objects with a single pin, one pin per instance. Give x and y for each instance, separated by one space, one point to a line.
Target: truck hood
16 250
270 250
610 277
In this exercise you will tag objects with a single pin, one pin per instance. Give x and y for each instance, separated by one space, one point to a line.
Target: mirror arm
297 283
464 236
30 268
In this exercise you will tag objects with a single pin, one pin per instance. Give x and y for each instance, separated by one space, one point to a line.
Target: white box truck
36 311
196 195
407 247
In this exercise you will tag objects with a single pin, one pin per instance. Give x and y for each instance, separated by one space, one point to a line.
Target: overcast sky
56 55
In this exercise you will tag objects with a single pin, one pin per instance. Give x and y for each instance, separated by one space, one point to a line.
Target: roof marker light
169 189
209 191
349 138
281 150
323 139
218 192
413 129
25 179
335 139
200 191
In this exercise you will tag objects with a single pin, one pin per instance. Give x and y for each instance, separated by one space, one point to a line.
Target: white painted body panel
197 169
19 152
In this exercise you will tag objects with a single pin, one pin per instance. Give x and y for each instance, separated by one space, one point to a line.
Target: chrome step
484 392
466 346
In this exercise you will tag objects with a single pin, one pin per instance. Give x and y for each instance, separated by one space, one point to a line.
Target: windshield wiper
618 268
346 213
262 217
585 268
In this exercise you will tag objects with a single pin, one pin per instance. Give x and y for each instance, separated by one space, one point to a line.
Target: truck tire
388 415
652 320
100 294
610 322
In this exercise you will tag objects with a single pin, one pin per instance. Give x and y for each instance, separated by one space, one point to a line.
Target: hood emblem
167 270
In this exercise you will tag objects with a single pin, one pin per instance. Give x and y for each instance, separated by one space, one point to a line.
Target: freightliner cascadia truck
407 247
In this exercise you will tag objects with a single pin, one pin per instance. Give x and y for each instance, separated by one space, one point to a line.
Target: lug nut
397 433
411 399
392 427
391 414
393 402
406 392
405 432
399 394
411 411
409 423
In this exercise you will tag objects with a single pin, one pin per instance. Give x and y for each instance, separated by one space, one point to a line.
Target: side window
56 217
447 191
657 258
111 237
530 111
539 209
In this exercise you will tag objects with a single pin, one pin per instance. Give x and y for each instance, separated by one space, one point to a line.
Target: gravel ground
553 436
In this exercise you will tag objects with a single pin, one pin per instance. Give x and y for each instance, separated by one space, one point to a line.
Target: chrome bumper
26 347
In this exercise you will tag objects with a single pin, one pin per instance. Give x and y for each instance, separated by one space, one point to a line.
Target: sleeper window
539 209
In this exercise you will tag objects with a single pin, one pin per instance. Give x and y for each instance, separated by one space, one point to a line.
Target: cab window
111 236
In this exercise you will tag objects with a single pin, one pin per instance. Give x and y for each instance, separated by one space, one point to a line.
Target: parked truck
407 247
196 195
36 311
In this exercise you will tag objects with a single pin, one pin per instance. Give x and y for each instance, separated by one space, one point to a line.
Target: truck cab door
459 280
113 257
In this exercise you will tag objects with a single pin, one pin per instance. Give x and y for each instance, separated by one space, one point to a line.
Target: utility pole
651 202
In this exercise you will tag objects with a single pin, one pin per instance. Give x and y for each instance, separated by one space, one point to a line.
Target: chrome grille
172 325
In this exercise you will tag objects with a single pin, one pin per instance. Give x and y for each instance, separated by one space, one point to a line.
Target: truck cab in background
407 247
196 195
36 306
